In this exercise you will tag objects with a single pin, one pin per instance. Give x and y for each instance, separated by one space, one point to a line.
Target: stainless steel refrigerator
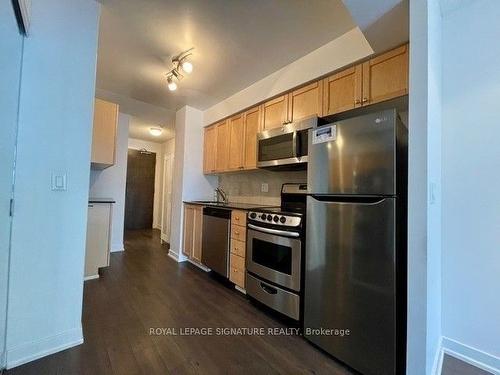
355 268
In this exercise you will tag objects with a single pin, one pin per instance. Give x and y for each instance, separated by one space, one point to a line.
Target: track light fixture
180 63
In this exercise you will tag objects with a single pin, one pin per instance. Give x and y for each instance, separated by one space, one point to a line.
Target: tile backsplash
246 187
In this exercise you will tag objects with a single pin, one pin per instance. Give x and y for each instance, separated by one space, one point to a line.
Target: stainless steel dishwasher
215 243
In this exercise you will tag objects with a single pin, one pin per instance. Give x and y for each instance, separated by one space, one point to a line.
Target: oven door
274 257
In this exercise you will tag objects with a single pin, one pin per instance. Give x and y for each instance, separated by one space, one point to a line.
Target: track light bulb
187 66
172 86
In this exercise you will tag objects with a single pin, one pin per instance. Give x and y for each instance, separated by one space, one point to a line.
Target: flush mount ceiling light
156 131
180 64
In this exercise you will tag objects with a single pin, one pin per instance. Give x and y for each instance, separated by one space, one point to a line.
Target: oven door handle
274 231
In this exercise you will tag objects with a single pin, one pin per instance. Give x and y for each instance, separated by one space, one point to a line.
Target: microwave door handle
274 231
295 149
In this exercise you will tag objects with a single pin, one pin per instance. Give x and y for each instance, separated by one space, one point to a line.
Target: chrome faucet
221 193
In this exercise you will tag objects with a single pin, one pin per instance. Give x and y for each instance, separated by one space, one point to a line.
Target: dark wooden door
139 198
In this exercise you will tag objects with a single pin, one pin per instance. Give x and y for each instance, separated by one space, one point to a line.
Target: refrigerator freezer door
357 156
350 281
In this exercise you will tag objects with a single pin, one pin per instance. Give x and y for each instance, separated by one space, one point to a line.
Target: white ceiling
237 42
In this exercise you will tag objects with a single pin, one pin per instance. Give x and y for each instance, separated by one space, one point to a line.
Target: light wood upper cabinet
386 76
251 119
275 113
342 91
236 142
192 232
305 102
210 149
104 134
222 151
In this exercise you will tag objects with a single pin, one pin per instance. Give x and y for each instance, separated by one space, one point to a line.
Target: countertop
101 200
230 205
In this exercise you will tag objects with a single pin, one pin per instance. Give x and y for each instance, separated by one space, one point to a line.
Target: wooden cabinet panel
197 231
187 248
342 91
238 232
237 270
274 112
306 101
104 134
238 247
236 142
386 76
239 218
251 119
210 149
222 150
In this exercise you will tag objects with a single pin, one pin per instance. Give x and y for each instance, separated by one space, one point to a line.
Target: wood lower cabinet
192 232
98 238
104 134
210 149
306 102
238 248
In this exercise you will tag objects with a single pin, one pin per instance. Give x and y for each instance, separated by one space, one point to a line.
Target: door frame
166 219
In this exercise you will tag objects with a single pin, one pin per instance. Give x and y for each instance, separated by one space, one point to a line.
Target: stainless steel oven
275 255
286 146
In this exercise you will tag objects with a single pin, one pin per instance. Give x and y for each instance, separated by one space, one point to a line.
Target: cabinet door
275 112
187 247
306 101
236 142
98 242
251 120
210 148
197 232
104 133
386 76
342 91
222 150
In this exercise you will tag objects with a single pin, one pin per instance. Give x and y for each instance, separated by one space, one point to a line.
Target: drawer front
238 233
238 247
276 298
239 218
237 270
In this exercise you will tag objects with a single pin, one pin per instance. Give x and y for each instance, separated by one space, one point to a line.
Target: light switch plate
264 187
59 182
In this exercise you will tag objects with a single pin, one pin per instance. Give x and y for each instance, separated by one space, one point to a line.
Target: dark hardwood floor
144 288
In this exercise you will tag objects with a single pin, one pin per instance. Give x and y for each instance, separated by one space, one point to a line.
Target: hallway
144 288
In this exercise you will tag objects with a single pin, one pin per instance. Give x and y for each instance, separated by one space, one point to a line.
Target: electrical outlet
264 188
59 182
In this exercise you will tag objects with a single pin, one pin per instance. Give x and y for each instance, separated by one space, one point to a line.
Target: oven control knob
276 218
283 220
269 217
263 216
253 215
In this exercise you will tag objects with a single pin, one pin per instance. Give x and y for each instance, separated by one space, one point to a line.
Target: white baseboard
239 289
173 255
164 238
438 358
91 277
473 356
117 247
31 351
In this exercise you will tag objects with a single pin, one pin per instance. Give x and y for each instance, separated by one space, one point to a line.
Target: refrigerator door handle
365 201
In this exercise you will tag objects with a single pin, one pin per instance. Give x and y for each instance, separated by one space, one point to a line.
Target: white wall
49 227
471 181
346 49
157 148
189 183
111 183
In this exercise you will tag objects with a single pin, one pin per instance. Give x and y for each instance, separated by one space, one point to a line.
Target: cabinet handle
365 100
357 101
236 232
236 218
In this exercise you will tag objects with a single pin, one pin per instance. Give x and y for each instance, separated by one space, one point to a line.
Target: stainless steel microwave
284 147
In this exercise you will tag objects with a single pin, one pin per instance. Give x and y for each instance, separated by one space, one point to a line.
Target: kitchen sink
211 203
